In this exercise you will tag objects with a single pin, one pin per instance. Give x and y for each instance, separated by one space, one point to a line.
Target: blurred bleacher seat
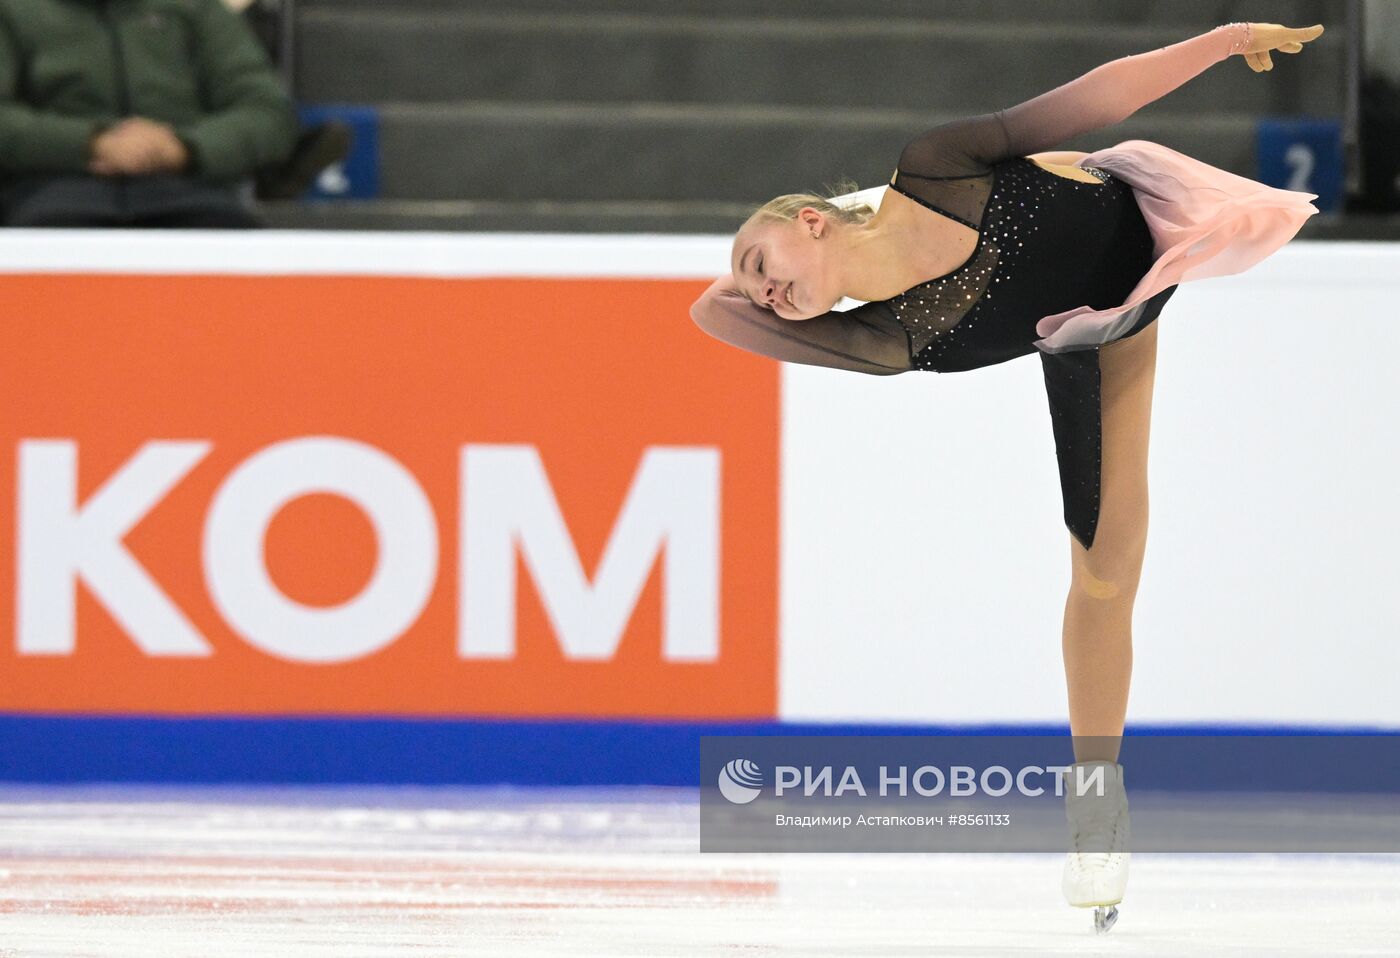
681 115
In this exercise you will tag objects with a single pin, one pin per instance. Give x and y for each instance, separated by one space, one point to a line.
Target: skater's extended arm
1106 95
867 339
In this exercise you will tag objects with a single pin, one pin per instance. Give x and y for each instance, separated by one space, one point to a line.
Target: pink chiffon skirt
1204 222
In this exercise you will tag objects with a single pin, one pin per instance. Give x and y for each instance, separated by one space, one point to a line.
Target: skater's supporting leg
1097 639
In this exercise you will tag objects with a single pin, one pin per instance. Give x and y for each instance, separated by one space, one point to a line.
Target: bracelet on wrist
1242 38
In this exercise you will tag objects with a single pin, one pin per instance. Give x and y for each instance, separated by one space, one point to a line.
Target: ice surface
117 871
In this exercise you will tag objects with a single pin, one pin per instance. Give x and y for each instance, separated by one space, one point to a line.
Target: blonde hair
787 206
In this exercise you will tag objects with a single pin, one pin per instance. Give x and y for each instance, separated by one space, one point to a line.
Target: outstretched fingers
1265 37
1274 36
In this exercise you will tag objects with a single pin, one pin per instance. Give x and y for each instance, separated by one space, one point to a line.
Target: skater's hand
1275 36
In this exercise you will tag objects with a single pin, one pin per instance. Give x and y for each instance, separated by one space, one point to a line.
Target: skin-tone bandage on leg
1093 587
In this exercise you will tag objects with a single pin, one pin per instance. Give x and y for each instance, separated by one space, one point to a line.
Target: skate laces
1098 823
1101 833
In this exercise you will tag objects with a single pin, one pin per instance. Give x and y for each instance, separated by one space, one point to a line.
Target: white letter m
506 500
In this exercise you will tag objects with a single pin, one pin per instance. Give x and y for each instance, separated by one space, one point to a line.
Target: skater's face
785 265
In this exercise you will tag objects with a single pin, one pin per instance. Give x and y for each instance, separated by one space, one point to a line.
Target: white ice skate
1096 870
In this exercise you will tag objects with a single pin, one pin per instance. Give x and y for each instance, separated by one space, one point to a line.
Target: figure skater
1067 253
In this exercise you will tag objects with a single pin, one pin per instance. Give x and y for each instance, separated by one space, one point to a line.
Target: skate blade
1104 919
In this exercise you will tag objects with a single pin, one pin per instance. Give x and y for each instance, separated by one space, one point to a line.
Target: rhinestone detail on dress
937 312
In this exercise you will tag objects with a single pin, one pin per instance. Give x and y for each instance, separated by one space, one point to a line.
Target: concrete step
534 216
387 55
1206 13
515 152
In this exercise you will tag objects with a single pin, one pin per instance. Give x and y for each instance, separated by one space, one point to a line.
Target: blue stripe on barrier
349 750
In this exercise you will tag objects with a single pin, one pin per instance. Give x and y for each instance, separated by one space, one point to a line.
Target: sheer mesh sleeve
1108 94
867 339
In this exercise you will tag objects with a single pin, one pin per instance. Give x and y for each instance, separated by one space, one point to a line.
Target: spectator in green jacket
134 113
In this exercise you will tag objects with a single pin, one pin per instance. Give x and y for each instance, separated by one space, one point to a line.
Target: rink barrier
342 750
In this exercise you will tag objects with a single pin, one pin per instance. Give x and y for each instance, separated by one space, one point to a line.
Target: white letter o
405 570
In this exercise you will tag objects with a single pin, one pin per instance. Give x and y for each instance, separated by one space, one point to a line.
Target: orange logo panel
331 495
